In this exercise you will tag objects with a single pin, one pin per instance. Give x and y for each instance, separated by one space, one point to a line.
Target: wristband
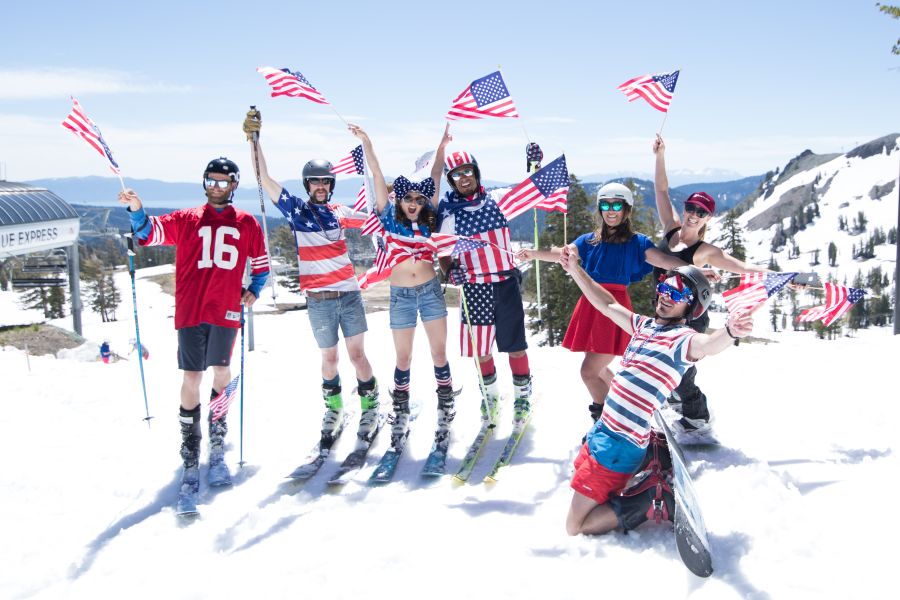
728 331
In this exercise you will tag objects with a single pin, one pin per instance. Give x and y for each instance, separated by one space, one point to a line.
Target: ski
357 459
474 451
317 456
519 427
690 532
187 494
436 463
384 472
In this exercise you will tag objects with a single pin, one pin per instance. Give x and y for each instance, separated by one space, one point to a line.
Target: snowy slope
797 503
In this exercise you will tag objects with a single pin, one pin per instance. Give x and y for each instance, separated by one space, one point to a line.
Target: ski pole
241 432
262 204
129 237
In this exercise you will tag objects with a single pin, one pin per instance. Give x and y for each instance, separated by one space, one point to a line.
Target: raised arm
715 256
594 292
381 192
551 255
437 168
667 215
252 126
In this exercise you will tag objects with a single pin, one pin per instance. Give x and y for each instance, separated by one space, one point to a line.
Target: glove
455 275
252 124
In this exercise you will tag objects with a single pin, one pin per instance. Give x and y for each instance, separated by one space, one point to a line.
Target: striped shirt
652 366
481 219
321 246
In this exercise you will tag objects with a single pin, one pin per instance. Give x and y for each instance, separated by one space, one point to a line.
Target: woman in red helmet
684 238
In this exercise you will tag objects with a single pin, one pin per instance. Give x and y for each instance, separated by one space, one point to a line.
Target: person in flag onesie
327 277
615 256
490 280
416 293
660 349
213 244
684 239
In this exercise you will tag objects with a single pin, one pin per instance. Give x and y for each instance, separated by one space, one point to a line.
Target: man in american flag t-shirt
214 243
327 277
661 349
490 281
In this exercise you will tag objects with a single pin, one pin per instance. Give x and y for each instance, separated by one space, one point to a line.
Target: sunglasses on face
617 205
664 289
420 200
216 183
691 208
457 175
319 181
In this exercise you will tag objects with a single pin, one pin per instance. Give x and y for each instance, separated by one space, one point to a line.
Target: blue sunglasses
675 294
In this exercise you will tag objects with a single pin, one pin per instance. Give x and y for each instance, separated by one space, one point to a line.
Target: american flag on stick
485 97
657 90
289 83
838 300
755 289
546 189
352 164
218 406
361 203
78 123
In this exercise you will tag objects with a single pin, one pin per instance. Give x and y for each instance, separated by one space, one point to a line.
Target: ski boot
522 395
368 419
334 409
446 411
400 421
490 402
190 451
218 475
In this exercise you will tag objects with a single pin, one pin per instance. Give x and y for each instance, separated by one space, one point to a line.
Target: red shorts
595 481
590 331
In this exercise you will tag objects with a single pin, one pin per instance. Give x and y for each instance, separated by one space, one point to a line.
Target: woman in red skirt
615 256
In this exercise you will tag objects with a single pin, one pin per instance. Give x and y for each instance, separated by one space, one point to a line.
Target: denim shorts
325 316
426 300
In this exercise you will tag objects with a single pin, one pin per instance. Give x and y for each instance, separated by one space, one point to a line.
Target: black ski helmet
696 281
223 166
318 167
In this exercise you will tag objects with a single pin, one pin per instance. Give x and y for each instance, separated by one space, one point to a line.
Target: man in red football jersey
213 244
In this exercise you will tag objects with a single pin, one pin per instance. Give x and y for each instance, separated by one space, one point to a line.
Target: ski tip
458 481
489 480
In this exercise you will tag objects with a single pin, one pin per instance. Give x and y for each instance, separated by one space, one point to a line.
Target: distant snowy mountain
845 190
677 177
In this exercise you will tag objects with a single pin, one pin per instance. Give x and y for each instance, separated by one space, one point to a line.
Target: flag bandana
78 123
403 186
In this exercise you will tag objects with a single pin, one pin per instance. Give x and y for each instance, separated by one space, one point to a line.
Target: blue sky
168 82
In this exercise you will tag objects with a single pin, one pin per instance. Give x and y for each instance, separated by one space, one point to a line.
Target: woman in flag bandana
684 239
408 258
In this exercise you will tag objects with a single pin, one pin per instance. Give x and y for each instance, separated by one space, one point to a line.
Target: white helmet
615 191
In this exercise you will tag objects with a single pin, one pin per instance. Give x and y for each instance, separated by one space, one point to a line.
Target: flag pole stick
262 207
129 237
462 297
241 436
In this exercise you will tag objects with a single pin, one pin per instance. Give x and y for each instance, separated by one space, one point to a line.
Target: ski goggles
460 173
222 184
616 205
693 208
685 295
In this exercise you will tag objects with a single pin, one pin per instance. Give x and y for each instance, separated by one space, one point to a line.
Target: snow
799 501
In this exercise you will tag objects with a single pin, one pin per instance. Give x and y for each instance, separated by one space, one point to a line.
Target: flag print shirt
409 241
479 218
321 245
652 366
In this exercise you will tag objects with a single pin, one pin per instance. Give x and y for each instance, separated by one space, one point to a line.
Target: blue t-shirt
615 263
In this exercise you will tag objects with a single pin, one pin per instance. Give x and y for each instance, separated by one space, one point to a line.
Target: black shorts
204 346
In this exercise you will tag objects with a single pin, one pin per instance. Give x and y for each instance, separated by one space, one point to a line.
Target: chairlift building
34 219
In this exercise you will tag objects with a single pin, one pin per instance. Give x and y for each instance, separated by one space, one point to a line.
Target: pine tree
832 254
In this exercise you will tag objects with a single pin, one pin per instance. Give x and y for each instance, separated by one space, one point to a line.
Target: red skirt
590 331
